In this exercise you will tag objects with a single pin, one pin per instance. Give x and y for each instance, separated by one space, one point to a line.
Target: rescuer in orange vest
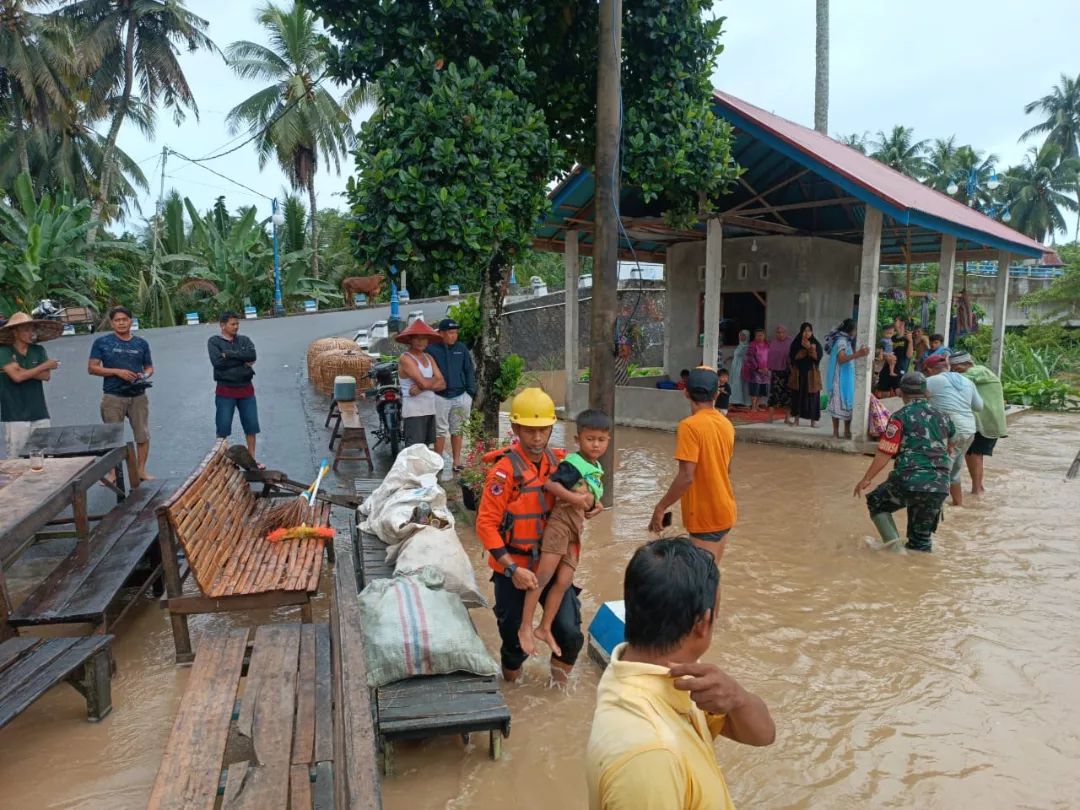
510 523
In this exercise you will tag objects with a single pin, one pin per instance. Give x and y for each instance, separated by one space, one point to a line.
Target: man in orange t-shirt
704 443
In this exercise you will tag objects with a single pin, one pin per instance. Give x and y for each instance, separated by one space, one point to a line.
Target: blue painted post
395 304
279 308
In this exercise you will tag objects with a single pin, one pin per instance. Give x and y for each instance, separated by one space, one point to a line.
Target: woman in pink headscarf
779 370
756 370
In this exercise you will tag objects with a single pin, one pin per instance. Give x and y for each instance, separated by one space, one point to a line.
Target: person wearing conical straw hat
24 367
420 378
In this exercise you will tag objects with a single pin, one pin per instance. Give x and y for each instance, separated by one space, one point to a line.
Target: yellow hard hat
532 408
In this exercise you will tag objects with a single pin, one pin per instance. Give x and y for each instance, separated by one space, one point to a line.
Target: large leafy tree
1037 190
483 104
134 46
297 120
901 151
37 63
1061 124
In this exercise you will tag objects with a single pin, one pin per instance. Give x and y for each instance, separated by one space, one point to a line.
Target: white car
379 329
362 339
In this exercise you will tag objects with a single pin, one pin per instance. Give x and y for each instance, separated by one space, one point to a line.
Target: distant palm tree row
1032 196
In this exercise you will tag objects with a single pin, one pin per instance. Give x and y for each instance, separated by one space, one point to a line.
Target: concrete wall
808 279
637 406
534 328
981 289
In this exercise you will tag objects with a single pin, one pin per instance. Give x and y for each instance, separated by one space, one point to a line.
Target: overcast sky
963 67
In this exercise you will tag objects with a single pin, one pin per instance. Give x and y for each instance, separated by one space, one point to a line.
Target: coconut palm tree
295 119
855 141
821 69
1035 192
1061 106
37 60
901 151
941 163
133 46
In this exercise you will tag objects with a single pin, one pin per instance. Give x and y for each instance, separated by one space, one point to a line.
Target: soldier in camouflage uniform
917 438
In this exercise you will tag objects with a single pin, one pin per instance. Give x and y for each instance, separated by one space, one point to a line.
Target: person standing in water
659 708
918 439
840 380
989 422
704 444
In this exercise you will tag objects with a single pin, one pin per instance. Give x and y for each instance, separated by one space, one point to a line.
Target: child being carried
577 487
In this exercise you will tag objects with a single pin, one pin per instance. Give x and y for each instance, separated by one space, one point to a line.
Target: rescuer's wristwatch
510 569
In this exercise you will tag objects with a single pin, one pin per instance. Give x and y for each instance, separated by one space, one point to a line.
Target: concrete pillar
946 275
570 311
713 264
867 327
1001 306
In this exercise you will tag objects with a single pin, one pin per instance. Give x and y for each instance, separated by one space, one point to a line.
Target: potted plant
475 468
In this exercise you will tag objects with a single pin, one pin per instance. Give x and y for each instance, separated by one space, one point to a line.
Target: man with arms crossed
123 359
704 443
658 709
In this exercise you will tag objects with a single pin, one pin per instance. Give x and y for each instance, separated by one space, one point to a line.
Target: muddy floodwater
896 680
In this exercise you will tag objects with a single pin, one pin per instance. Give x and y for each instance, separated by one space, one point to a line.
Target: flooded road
896 680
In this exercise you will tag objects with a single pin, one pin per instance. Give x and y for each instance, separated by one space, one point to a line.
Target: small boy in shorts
723 396
577 487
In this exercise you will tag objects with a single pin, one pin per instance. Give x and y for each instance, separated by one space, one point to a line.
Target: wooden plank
304 736
255 601
324 786
266 717
13 648
324 713
116 545
59 658
355 770
191 765
300 787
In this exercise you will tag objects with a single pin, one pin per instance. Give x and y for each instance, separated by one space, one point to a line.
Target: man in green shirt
24 366
917 438
989 422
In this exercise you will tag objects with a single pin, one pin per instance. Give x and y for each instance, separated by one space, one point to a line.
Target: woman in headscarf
755 370
840 380
779 393
804 356
739 393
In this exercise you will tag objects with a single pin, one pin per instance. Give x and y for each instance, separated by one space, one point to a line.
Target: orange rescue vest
526 514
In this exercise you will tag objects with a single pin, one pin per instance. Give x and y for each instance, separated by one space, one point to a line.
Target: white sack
410 467
393 522
412 626
441 549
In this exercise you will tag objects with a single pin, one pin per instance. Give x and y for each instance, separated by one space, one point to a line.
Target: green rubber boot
886 526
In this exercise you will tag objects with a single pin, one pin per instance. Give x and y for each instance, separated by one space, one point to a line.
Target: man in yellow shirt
657 708
704 443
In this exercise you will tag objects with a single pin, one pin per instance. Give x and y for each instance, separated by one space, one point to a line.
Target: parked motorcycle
46 310
387 396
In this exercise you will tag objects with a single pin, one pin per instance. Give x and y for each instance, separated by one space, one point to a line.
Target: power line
263 130
219 174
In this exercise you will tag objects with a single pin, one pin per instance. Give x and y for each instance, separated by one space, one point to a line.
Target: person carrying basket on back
510 522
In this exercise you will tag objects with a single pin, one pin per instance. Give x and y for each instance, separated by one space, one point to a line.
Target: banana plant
43 248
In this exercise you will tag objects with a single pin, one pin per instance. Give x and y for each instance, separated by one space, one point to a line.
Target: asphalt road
291 414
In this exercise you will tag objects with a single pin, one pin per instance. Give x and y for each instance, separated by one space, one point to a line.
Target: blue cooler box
608 629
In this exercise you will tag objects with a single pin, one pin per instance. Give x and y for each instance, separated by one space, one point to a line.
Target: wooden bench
429 705
301 735
87 586
30 666
214 518
350 435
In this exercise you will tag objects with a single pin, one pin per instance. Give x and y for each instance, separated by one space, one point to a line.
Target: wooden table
30 500
66 441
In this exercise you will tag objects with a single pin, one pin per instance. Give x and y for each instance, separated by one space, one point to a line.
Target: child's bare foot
145 476
560 672
546 637
525 639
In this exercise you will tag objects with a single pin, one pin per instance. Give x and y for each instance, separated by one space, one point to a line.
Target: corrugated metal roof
796 181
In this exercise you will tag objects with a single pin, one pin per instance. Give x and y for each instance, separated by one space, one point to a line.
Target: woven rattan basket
336 363
322 345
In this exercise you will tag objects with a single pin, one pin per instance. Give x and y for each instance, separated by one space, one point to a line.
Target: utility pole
821 72
606 242
160 213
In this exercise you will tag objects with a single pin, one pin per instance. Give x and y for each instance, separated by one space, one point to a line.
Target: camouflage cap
913 384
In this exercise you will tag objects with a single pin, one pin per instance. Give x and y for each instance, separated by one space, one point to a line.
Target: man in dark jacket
454 403
232 356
